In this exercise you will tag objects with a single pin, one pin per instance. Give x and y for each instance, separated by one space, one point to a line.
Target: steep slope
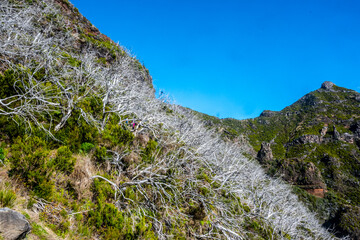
314 144
88 152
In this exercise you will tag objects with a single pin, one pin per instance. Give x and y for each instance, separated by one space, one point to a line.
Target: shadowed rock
265 153
13 225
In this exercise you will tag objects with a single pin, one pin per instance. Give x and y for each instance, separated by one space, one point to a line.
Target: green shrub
118 135
29 162
75 132
2 155
64 161
100 154
86 147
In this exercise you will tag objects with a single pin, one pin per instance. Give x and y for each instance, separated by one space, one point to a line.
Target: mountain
88 152
313 144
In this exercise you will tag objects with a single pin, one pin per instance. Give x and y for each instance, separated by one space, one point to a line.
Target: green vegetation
2 155
87 147
29 162
64 161
7 198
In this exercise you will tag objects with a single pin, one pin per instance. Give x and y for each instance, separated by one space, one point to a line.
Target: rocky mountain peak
327 85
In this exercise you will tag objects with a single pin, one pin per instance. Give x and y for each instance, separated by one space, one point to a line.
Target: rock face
265 153
327 85
13 225
268 113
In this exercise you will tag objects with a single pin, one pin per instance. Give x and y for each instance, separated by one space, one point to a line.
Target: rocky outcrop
306 139
324 131
312 176
265 153
268 113
13 225
327 85
336 134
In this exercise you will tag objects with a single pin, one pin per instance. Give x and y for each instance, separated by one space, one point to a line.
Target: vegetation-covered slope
314 144
88 152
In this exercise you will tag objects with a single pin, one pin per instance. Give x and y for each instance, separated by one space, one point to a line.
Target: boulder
265 153
13 225
327 85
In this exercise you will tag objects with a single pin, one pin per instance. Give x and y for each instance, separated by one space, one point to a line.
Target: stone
336 134
265 153
13 225
327 85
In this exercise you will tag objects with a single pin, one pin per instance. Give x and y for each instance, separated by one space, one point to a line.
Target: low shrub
100 154
29 162
86 147
64 161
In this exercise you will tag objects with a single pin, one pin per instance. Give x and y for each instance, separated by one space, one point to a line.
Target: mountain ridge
313 144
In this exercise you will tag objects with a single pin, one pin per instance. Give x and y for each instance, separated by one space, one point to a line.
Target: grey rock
13 225
268 113
324 131
265 153
307 139
336 134
357 97
327 85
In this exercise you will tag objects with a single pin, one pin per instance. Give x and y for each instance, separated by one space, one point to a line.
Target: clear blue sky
236 58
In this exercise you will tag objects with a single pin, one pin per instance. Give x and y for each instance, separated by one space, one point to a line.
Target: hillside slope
88 152
314 144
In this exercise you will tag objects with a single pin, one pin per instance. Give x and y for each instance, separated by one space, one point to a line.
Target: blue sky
236 58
